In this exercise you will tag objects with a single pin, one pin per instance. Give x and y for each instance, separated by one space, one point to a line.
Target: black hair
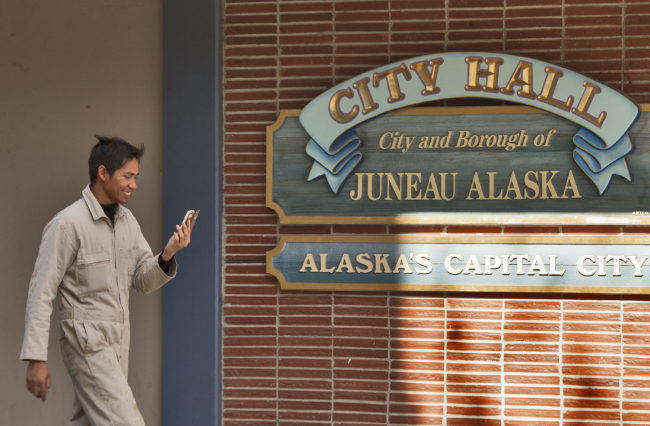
111 153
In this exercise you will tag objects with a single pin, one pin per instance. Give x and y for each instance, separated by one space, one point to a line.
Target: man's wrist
166 257
165 264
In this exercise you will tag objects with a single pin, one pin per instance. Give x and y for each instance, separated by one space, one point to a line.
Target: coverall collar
95 208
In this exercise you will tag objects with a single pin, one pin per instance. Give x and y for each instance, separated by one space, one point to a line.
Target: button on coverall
91 265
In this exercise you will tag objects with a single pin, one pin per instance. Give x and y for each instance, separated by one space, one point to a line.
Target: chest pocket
93 272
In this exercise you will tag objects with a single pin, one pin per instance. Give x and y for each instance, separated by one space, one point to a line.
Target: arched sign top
590 104
604 114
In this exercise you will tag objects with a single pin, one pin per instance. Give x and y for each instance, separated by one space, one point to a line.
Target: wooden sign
574 151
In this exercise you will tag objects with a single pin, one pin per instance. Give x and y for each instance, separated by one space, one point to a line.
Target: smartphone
190 217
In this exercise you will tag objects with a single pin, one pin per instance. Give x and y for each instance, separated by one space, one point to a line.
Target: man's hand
38 378
180 239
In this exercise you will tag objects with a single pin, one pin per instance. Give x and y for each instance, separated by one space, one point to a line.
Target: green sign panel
448 165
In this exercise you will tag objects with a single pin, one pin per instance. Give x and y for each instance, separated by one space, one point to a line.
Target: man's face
118 188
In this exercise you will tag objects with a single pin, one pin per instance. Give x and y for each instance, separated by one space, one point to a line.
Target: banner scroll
604 114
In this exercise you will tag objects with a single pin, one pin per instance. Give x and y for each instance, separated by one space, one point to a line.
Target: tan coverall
91 264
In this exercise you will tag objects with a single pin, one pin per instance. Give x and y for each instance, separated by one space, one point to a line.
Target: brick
527 390
591 415
361 396
592 337
418 399
250 418
457 229
358 383
359 229
303 373
531 412
475 3
542 230
360 322
472 324
415 409
590 392
453 410
535 358
472 356
461 421
474 346
530 337
591 370
303 405
531 369
531 379
312 417
350 418
418 355
305 383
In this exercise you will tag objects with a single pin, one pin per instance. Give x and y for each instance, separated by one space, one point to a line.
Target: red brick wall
415 358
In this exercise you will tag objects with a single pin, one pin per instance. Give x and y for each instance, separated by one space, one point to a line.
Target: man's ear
102 173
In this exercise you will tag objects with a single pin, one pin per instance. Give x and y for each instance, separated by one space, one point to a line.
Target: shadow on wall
471 358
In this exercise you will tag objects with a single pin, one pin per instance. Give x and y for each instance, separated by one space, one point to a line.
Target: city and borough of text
396 141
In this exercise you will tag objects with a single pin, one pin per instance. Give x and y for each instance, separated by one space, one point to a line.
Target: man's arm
180 239
150 275
55 255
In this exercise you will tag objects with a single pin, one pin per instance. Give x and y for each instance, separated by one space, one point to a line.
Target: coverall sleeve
148 276
56 254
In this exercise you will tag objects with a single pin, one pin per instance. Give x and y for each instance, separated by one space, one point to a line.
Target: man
91 254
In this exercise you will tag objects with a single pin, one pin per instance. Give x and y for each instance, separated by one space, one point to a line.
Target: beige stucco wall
69 69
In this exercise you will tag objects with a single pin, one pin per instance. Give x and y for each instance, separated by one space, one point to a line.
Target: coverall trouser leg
101 388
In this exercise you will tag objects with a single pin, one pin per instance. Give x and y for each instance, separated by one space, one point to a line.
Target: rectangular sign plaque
585 264
503 164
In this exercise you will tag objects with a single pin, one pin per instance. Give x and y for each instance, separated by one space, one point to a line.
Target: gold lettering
513 186
548 90
369 104
335 106
491 195
402 263
393 82
413 185
547 184
364 259
475 187
572 186
591 90
432 187
428 78
323 263
530 182
387 136
310 263
381 261
392 183
522 77
355 195
443 185
345 263
474 72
